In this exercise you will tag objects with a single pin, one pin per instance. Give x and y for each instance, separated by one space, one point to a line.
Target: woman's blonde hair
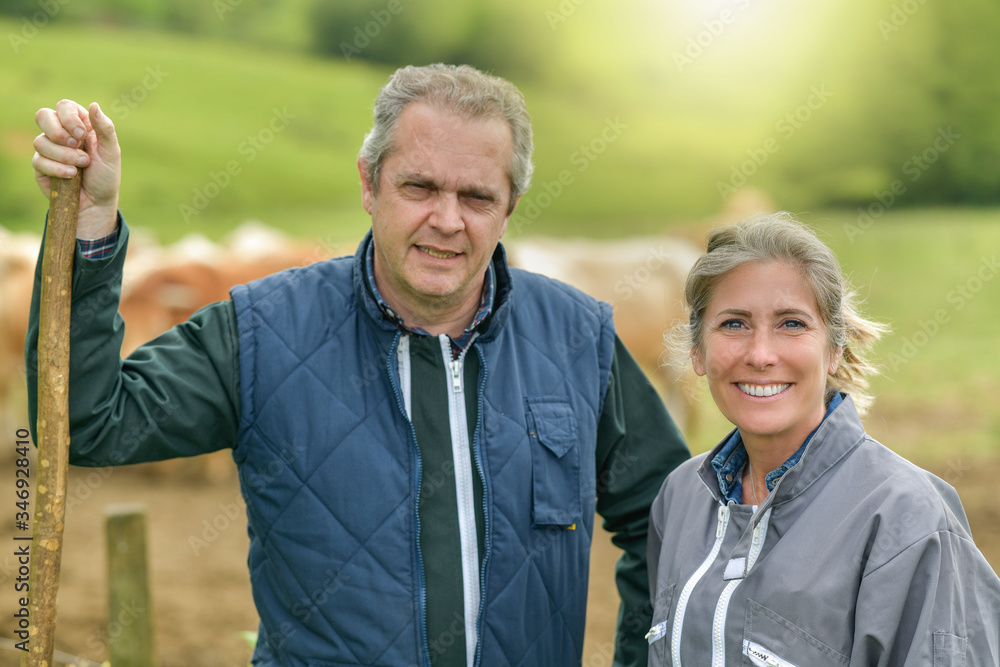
779 237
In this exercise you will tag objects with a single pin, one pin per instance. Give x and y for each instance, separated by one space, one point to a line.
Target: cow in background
18 254
643 280
164 286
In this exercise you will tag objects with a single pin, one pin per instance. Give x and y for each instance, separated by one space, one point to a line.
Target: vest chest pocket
555 463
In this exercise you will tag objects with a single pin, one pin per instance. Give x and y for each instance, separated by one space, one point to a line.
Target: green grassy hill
214 133
230 132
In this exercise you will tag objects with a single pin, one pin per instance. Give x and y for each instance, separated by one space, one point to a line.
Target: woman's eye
732 325
794 324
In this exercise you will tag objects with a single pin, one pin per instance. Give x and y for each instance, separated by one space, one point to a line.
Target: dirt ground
200 585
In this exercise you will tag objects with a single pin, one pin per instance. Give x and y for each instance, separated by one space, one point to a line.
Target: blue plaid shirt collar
728 463
457 344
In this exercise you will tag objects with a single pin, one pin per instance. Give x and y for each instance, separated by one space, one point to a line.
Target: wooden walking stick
53 418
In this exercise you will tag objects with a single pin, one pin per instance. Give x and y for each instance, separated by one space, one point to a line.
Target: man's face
440 210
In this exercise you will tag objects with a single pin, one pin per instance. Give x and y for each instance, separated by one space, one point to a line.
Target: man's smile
440 254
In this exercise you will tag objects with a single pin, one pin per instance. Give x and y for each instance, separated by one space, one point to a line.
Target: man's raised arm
177 395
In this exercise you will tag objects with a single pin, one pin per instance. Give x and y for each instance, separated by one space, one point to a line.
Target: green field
214 134
191 114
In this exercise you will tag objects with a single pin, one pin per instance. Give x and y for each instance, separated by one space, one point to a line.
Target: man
420 431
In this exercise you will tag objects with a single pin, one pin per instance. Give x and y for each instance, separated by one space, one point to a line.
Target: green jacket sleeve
638 444
177 395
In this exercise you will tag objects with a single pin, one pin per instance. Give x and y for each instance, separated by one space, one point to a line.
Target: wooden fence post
130 609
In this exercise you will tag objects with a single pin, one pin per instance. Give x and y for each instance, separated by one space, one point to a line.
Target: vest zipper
402 354
487 542
682 601
722 609
461 455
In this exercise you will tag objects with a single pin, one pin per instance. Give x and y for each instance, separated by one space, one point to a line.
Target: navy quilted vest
329 470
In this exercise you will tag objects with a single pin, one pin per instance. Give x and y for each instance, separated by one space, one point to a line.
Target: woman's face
766 354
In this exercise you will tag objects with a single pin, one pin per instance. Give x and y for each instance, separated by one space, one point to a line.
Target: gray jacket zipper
722 609
682 601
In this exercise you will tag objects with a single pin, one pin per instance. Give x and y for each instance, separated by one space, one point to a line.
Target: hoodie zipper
462 457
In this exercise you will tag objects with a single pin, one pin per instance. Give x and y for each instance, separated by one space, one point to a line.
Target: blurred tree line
916 83
917 86
382 31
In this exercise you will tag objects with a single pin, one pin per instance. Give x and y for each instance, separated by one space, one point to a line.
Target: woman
800 540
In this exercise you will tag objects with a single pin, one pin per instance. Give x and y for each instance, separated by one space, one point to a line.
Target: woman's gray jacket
857 557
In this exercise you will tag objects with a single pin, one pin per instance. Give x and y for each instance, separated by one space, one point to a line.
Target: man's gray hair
460 89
